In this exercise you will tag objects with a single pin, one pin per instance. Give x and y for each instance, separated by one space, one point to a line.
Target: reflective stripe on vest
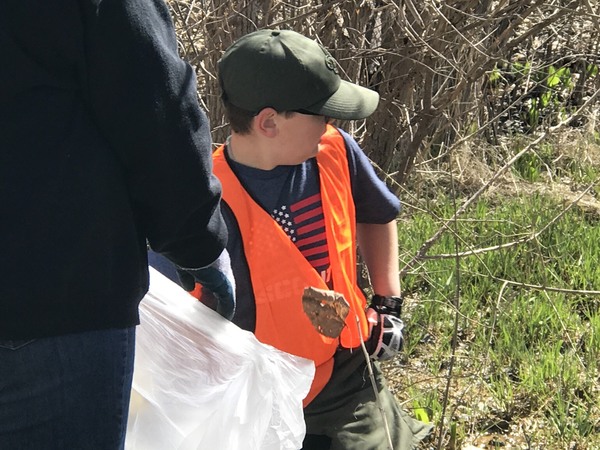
279 272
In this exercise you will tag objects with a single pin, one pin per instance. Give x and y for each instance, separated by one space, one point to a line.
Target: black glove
218 279
386 337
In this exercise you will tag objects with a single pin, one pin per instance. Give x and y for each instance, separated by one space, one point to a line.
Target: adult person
104 148
299 195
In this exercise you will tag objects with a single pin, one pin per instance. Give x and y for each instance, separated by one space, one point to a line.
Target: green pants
345 415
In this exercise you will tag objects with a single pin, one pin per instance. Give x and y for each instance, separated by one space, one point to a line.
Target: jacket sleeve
143 97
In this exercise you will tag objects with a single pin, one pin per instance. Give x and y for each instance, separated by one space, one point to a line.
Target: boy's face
299 137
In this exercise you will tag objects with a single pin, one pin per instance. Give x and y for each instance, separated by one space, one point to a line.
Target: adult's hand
218 279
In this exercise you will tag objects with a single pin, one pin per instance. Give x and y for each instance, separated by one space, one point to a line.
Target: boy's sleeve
373 200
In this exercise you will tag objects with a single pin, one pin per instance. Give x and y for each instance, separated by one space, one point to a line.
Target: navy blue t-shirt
291 194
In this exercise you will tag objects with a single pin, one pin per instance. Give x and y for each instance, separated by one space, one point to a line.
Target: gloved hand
383 315
386 339
218 279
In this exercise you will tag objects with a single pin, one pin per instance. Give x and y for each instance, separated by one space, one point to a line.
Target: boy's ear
265 122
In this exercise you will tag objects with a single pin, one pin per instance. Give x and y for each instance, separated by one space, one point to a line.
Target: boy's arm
378 245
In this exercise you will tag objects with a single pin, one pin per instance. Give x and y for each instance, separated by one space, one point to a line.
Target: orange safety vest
279 272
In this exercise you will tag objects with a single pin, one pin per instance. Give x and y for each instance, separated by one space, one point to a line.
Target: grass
503 346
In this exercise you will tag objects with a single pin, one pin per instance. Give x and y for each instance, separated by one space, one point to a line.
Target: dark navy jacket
103 148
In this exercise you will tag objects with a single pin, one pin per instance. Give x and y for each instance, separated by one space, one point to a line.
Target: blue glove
218 279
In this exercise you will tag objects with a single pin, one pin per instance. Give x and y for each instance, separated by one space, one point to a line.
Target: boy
298 195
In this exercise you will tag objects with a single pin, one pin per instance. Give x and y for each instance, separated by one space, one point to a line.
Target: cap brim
349 102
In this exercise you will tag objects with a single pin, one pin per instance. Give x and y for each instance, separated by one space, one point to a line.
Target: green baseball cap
287 71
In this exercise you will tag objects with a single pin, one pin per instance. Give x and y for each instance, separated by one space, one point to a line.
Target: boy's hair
240 120
286 71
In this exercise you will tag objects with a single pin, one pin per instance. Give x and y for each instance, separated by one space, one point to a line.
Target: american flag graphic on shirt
304 223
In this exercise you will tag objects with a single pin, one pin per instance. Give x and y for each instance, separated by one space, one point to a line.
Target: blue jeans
66 393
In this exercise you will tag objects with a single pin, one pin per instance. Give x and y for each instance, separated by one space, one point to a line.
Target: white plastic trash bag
202 383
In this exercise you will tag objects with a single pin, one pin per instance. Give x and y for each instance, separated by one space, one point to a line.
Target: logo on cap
329 61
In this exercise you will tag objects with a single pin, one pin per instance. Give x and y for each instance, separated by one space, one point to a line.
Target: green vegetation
511 326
